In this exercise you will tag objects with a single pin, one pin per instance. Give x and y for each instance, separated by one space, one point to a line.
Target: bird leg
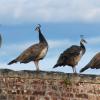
74 69
37 66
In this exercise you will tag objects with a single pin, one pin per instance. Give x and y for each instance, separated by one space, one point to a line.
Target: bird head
82 39
38 27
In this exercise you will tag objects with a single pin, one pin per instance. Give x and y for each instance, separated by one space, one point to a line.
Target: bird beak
35 29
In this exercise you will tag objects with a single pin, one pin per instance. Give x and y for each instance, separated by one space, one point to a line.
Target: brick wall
29 85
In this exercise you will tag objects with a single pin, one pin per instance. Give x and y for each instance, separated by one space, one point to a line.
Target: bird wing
30 54
75 50
69 53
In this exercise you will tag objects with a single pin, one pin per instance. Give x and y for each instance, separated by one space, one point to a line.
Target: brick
0 91
85 96
47 86
70 95
38 93
11 97
32 98
53 98
46 98
3 97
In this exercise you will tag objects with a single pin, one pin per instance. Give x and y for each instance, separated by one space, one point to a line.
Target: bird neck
83 47
42 38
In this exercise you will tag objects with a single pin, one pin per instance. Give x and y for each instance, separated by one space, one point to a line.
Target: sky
62 24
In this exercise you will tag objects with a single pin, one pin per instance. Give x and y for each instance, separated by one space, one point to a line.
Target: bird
94 63
34 53
72 55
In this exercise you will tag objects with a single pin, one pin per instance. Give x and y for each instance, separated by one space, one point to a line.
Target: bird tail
55 65
13 61
83 69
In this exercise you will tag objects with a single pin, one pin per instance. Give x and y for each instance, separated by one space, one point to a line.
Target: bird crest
82 39
82 36
39 25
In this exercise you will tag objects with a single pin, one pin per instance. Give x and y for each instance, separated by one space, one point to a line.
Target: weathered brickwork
28 85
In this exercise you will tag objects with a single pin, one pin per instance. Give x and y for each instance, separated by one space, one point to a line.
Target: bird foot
75 73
